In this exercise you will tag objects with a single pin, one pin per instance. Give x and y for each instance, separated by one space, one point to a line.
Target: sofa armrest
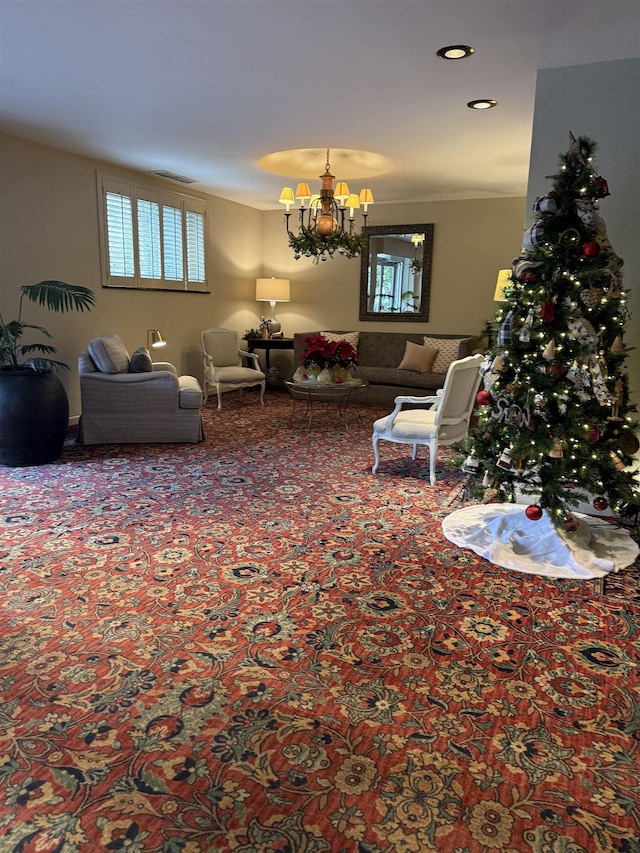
164 365
190 392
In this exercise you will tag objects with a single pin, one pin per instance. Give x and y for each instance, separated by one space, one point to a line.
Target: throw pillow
351 337
109 354
418 358
448 352
140 361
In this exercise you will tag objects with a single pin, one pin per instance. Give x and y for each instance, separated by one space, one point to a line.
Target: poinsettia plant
318 351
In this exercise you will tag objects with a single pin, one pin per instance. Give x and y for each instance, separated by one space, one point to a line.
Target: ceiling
206 88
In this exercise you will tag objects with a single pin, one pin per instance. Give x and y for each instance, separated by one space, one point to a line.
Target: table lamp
503 283
273 290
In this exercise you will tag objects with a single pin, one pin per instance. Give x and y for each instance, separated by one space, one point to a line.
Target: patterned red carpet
254 645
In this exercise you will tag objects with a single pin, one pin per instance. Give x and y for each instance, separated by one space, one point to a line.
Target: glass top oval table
345 397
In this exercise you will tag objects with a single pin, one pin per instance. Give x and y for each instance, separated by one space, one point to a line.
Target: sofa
130 400
381 354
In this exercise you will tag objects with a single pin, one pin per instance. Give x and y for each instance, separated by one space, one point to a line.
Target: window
151 238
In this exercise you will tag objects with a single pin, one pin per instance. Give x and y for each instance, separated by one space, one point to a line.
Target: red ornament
338 380
527 277
548 310
593 433
590 249
602 188
534 512
483 398
555 370
600 503
571 525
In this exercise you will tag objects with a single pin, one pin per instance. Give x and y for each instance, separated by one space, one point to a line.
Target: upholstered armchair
130 400
442 418
223 368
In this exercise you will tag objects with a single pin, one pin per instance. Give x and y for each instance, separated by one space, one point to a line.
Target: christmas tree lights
554 417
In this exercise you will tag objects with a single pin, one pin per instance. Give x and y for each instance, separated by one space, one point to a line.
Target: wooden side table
269 344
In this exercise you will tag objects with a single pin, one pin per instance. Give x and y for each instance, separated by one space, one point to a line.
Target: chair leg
376 453
433 453
219 397
262 387
415 452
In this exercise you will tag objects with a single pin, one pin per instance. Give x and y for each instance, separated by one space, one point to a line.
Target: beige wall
48 229
472 241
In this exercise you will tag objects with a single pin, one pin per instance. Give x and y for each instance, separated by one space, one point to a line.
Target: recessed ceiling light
482 104
455 51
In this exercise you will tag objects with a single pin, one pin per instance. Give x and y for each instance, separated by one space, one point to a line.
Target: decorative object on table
264 328
325 361
34 409
223 368
565 296
327 224
273 290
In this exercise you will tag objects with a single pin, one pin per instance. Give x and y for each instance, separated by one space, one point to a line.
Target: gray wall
602 101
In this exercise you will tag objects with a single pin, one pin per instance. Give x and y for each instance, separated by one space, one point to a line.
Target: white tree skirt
502 534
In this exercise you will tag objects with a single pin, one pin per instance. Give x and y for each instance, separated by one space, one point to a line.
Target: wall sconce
273 290
155 339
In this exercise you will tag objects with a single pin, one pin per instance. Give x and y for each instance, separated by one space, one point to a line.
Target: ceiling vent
162 173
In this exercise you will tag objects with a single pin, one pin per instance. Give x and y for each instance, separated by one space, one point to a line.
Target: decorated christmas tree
555 420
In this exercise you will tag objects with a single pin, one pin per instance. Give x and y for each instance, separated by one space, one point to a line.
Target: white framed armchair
435 420
134 401
223 368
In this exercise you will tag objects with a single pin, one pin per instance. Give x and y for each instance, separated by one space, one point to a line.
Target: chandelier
326 224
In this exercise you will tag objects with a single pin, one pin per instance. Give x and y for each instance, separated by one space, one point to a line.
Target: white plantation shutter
146 237
149 239
120 235
172 243
195 247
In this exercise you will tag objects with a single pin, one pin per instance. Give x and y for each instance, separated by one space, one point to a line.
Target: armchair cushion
109 354
140 361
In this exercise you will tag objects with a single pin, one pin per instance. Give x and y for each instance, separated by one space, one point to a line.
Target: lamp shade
353 202
342 191
287 197
503 282
272 290
155 339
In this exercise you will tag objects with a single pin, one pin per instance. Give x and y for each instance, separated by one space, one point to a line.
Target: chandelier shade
326 224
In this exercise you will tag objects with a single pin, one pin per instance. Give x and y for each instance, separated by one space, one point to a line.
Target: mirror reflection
396 272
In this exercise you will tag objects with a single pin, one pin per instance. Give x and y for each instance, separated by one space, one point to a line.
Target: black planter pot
34 413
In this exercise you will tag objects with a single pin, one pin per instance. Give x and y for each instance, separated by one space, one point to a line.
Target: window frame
138 191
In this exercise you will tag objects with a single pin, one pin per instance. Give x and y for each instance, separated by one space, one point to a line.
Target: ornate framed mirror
395 273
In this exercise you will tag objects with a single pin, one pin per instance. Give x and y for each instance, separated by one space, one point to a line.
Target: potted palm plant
34 409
